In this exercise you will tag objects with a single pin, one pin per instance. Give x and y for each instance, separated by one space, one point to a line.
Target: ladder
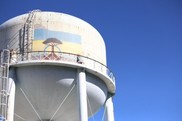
4 82
27 37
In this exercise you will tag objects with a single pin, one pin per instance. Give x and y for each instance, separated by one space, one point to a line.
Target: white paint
46 83
109 109
82 95
11 100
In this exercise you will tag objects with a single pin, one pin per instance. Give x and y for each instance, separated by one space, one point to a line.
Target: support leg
109 109
11 100
11 95
82 95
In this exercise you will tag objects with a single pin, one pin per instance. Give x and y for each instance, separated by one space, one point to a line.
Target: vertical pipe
109 109
11 94
11 100
82 95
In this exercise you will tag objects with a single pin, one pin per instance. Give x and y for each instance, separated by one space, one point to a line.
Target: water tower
53 68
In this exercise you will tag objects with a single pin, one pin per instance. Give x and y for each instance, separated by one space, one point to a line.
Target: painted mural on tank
57 41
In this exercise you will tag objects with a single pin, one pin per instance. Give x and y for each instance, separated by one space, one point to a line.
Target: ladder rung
4 95
3 104
1 66
3 90
4 77
5 63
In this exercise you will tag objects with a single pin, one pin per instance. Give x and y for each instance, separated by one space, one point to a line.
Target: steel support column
11 95
82 95
109 109
11 100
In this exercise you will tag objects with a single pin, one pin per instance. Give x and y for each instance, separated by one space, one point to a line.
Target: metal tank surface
53 68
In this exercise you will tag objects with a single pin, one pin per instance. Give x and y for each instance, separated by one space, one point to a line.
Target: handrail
63 57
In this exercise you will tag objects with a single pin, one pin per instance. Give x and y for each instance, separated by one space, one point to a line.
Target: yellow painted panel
68 47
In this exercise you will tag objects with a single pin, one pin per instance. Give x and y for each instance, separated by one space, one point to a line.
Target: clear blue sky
144 50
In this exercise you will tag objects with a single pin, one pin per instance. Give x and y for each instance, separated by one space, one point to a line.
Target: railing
63 57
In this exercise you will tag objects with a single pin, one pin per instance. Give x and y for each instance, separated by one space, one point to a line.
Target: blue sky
143 39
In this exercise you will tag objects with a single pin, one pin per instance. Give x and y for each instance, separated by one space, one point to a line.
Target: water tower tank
46 51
